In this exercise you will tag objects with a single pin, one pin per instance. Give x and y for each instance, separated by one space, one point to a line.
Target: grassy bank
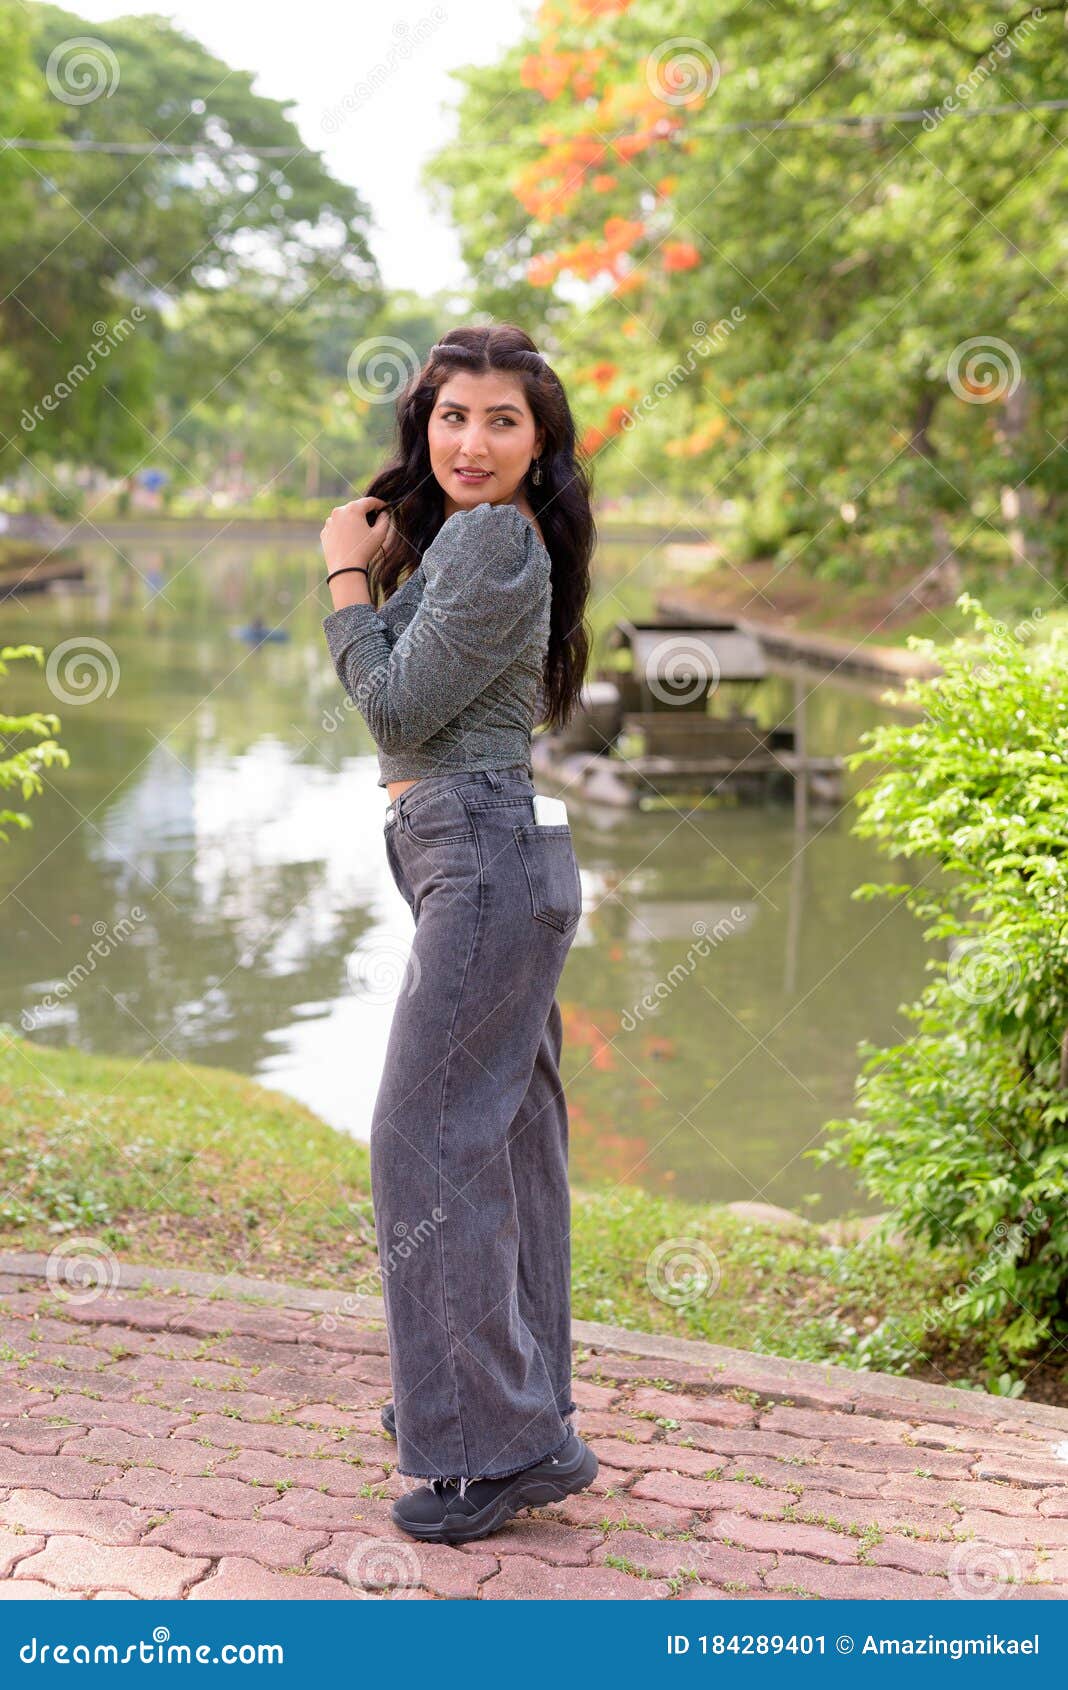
196 1167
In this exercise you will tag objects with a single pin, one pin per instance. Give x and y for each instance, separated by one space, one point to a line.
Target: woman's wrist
349 586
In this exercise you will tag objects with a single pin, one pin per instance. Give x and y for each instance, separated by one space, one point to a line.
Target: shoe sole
525 1493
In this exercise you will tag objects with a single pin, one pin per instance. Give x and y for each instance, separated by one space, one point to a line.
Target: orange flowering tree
849 328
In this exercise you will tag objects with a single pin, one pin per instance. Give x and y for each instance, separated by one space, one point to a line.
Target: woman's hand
347 537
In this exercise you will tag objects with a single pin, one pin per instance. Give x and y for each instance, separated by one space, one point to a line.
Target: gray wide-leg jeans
469 1134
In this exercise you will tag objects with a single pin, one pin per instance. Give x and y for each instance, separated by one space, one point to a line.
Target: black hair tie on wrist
349 569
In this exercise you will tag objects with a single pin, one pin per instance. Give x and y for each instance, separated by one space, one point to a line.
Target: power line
854 120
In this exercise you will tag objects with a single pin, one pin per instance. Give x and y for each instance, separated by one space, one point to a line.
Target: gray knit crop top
448 673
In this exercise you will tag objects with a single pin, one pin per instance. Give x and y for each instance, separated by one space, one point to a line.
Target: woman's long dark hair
561 502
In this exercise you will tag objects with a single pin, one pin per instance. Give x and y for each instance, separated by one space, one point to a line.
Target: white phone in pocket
549 812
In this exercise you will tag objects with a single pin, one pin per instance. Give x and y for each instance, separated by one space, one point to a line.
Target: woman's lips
473 475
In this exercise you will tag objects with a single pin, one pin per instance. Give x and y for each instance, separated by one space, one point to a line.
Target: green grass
199 1168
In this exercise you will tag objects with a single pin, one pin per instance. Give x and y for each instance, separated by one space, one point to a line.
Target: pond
207 883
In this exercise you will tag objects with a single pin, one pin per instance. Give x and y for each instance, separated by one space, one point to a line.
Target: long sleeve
486 575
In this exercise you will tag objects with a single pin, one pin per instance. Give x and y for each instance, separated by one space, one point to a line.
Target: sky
318 53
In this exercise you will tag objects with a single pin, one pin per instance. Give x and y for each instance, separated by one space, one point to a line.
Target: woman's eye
446 416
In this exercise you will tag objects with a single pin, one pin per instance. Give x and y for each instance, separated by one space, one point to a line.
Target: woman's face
481 422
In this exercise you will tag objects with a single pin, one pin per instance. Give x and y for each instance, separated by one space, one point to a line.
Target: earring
535 474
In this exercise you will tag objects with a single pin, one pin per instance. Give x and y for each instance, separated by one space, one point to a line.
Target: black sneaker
443 1512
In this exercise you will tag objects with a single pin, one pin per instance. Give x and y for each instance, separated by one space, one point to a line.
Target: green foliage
962 1126
236 261
864 261
21 767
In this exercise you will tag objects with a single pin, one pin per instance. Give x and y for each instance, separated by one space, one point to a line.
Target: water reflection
714 995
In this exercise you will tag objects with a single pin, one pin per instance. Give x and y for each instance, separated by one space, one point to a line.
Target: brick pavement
195 1443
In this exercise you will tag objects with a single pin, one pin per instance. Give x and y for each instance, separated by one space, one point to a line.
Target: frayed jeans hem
471 1478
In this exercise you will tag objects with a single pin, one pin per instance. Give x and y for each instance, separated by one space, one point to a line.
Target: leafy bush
961 1128
20 768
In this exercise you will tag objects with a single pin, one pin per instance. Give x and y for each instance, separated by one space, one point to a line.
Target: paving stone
256 1467
683 1492
587 1510
671 1458
63 1475
150 1487
190 1532
14 1546
239 1579
135 1417
966 1493
898 1458
817 1475
384 1564
550 1541
781 1537
33 1437
714 1563
1037 1530
33 1590
905 1408
316 1511
774 1386
865 1511
523 1579
707 1411
339 1478
814 1423
347 1336
78 1563
855 1583
327 1414
1036 1474
909 1555
106 1522
592 1396
981 1443
173 1455
724 1441
610 1423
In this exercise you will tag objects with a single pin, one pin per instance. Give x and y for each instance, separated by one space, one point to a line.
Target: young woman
484 639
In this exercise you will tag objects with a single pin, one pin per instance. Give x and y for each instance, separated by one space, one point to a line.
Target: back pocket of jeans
548 855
